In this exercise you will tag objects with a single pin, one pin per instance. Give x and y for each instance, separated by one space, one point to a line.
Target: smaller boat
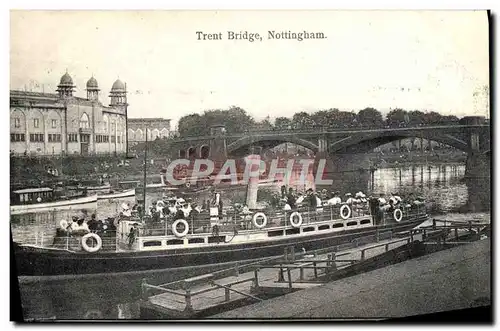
34 200
116 195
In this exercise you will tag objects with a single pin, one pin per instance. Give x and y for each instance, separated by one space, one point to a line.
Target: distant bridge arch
269 141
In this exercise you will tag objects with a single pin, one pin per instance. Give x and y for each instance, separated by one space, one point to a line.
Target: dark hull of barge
40 262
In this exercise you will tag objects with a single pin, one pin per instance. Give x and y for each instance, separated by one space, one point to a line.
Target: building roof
149 119
118 86
33 190
66 80
92 84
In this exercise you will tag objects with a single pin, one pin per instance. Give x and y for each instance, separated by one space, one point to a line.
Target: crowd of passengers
179 208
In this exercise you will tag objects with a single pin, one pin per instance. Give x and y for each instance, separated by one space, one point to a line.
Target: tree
370 117
302 120
192 125
397 117
282 123
235 120
265 124
415 118
431 118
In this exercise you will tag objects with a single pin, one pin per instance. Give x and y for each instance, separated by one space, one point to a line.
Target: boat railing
232 220
69 242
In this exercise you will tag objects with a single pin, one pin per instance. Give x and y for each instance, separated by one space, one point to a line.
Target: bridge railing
346 128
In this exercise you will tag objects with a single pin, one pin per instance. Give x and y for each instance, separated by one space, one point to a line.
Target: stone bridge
472 135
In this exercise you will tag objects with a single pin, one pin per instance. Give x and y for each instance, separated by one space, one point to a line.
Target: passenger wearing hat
290 198
349 199
335 200
299 199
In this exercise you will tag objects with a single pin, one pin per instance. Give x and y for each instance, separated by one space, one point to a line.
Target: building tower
118 94
65 87
92 89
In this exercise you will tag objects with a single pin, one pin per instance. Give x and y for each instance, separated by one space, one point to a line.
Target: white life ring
183 233
63 224
264 220
342 212
296 219
188 184
93 314
89 249
398 215
160 203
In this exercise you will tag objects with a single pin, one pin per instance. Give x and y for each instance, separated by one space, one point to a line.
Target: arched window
84 121
138 135
105 124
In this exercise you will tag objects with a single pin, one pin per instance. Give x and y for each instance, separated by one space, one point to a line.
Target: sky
426 60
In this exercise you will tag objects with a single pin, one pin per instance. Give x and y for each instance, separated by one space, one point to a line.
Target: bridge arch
367 142
204 152
269 141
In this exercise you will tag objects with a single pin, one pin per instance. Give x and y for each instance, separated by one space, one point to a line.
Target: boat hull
33 261
124 194
50 206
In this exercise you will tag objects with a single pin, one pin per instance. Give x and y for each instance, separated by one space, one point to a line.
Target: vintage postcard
250 165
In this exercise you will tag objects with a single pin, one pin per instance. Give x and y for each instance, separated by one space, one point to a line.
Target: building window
72 137
84 138
37 137
118 139
36 123
113 139
54 124
84 121
54 138
16 137
17 122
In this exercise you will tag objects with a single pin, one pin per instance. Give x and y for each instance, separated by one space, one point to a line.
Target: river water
441 185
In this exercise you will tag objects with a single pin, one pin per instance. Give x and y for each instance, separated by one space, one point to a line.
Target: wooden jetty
217 292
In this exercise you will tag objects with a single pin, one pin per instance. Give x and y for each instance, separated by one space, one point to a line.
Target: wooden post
281 277
289 274
189 306
144 289
456 234
386 247
236 270
256 280
362 255
377 235
301 277
315 270
227 293
292 251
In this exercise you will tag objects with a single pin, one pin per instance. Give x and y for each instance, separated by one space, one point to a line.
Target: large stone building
60 123
156 128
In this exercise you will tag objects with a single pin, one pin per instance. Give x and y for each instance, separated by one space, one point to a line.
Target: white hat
348 194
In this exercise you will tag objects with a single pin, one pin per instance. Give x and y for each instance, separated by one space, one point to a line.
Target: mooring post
456 234
386 247
362 255
315 270
236 270
301 276
377 235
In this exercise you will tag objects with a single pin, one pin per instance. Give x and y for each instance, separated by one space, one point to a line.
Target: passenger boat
117 195
40 199
204 241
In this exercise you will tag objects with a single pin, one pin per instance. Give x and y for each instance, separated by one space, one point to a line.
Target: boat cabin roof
33 190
